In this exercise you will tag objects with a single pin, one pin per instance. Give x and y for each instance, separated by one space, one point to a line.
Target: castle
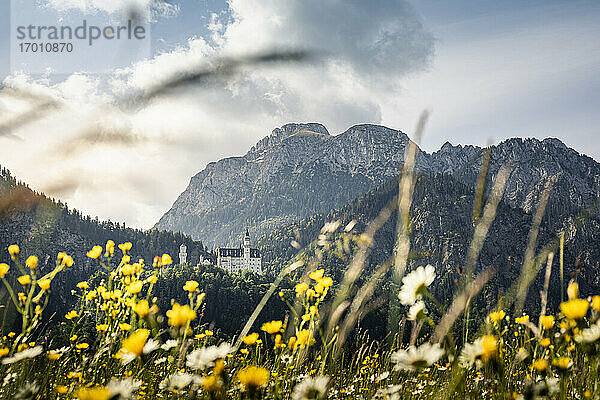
242 258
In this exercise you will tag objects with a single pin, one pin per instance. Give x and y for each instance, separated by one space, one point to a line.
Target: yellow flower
166 259
3 269
596 303
190 286
4 352
306 317
31 262
540 365
573 290
44 284
244 351
208 333
524 320
272 327
101 327
545 342
127 270
301 288
13 250
317 275
303 338
310 293
24 280
125 247
250 339
124 326
489 347
71 314
110 248
142 308
575 308
95 393
547 321
82 346
180 315
135 287
497 315
68 261
252 377
562 363
95 252
62 389
135 343
83 285
53 355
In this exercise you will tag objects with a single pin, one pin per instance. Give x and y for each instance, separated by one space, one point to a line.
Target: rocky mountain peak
278 135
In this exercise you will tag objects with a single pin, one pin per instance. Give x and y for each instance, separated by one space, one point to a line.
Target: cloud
149 9
130 162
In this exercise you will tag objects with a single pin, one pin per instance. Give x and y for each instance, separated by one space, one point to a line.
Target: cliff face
300 170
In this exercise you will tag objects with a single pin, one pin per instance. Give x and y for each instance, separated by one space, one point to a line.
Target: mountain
297 171
300 170
441 232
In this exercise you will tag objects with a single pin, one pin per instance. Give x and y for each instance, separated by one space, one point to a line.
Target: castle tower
247 248
182 254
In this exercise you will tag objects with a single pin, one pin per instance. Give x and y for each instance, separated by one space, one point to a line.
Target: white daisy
415 358
414 283
123 390
470 353
205 357
169 344
27 353
416 311
311 389
589 335
150 346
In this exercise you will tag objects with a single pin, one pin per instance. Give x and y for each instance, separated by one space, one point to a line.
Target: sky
487 71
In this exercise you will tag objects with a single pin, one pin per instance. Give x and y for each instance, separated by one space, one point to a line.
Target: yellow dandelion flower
71 314
180 315
317 275
95 393
13 250
166 259
562 363
4 351
304 338
301 288
125 247
141 308
61 389
540 365
32 262
124 326
110 248
3 269
135 343
547 321
253 378
524 320
101 327
82 346
497 316
573 290
545 342
489 347
83 285
127 270
135 287
596 303
190 286
44 284
575 308
95 252
250 339
272 327
24 280
152 279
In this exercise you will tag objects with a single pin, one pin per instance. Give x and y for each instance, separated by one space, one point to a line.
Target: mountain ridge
301 169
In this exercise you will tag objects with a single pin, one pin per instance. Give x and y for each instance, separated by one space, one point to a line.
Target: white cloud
149 9
131 164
